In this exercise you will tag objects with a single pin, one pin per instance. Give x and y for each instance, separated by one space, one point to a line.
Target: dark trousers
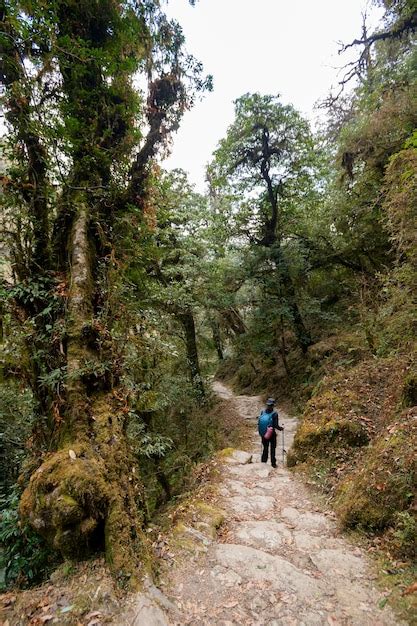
265 444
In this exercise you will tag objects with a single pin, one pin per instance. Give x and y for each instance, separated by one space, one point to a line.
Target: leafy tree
79 153
267 165
175 259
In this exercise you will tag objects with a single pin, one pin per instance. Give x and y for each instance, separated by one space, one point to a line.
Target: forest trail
281 562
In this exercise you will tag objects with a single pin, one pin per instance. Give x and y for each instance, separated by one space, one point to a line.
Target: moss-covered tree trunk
87 495
74 117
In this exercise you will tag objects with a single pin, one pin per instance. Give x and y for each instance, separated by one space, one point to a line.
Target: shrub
24 556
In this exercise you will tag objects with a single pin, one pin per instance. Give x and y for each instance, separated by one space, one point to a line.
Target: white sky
271 46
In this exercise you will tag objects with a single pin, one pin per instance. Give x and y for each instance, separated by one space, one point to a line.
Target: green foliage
148 444
240 163
405 534
24 556
16 421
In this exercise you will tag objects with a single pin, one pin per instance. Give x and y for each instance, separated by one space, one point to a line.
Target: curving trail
281 563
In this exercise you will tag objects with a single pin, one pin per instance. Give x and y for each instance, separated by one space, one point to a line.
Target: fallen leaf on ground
72 454
411 589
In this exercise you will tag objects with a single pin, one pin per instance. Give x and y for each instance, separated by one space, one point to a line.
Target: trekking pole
284 452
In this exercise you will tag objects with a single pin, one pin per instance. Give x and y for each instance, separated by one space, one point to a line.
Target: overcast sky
271 46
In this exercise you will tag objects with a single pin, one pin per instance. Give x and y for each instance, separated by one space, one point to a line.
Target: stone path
281 563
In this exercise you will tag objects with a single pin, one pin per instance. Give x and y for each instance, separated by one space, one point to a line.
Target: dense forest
125 290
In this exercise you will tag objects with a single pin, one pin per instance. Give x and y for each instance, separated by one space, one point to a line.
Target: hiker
267 426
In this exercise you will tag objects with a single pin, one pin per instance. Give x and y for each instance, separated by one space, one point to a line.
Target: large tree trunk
86 495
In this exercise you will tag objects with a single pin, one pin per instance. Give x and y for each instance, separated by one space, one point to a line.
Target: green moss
66 499
245 376
409 393
208 514
384 485
313 440
226 452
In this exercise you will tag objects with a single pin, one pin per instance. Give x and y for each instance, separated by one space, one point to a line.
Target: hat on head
270 402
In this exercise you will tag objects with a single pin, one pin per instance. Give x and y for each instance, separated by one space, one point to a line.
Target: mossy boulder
210 515
67 499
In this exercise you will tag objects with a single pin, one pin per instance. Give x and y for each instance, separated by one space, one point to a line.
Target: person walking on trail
268 424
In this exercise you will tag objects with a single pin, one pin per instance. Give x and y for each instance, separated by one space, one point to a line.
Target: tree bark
217 338
283 349
187 320
234 321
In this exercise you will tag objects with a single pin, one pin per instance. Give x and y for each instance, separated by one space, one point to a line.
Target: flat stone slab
250 504
363 611
279 479
309 543
306 520
268 534
262 486
226 576
256 470
314 543
339 562
239 457
147 612
235 487
279 574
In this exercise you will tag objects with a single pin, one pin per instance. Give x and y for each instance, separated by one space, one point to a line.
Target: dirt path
281 563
